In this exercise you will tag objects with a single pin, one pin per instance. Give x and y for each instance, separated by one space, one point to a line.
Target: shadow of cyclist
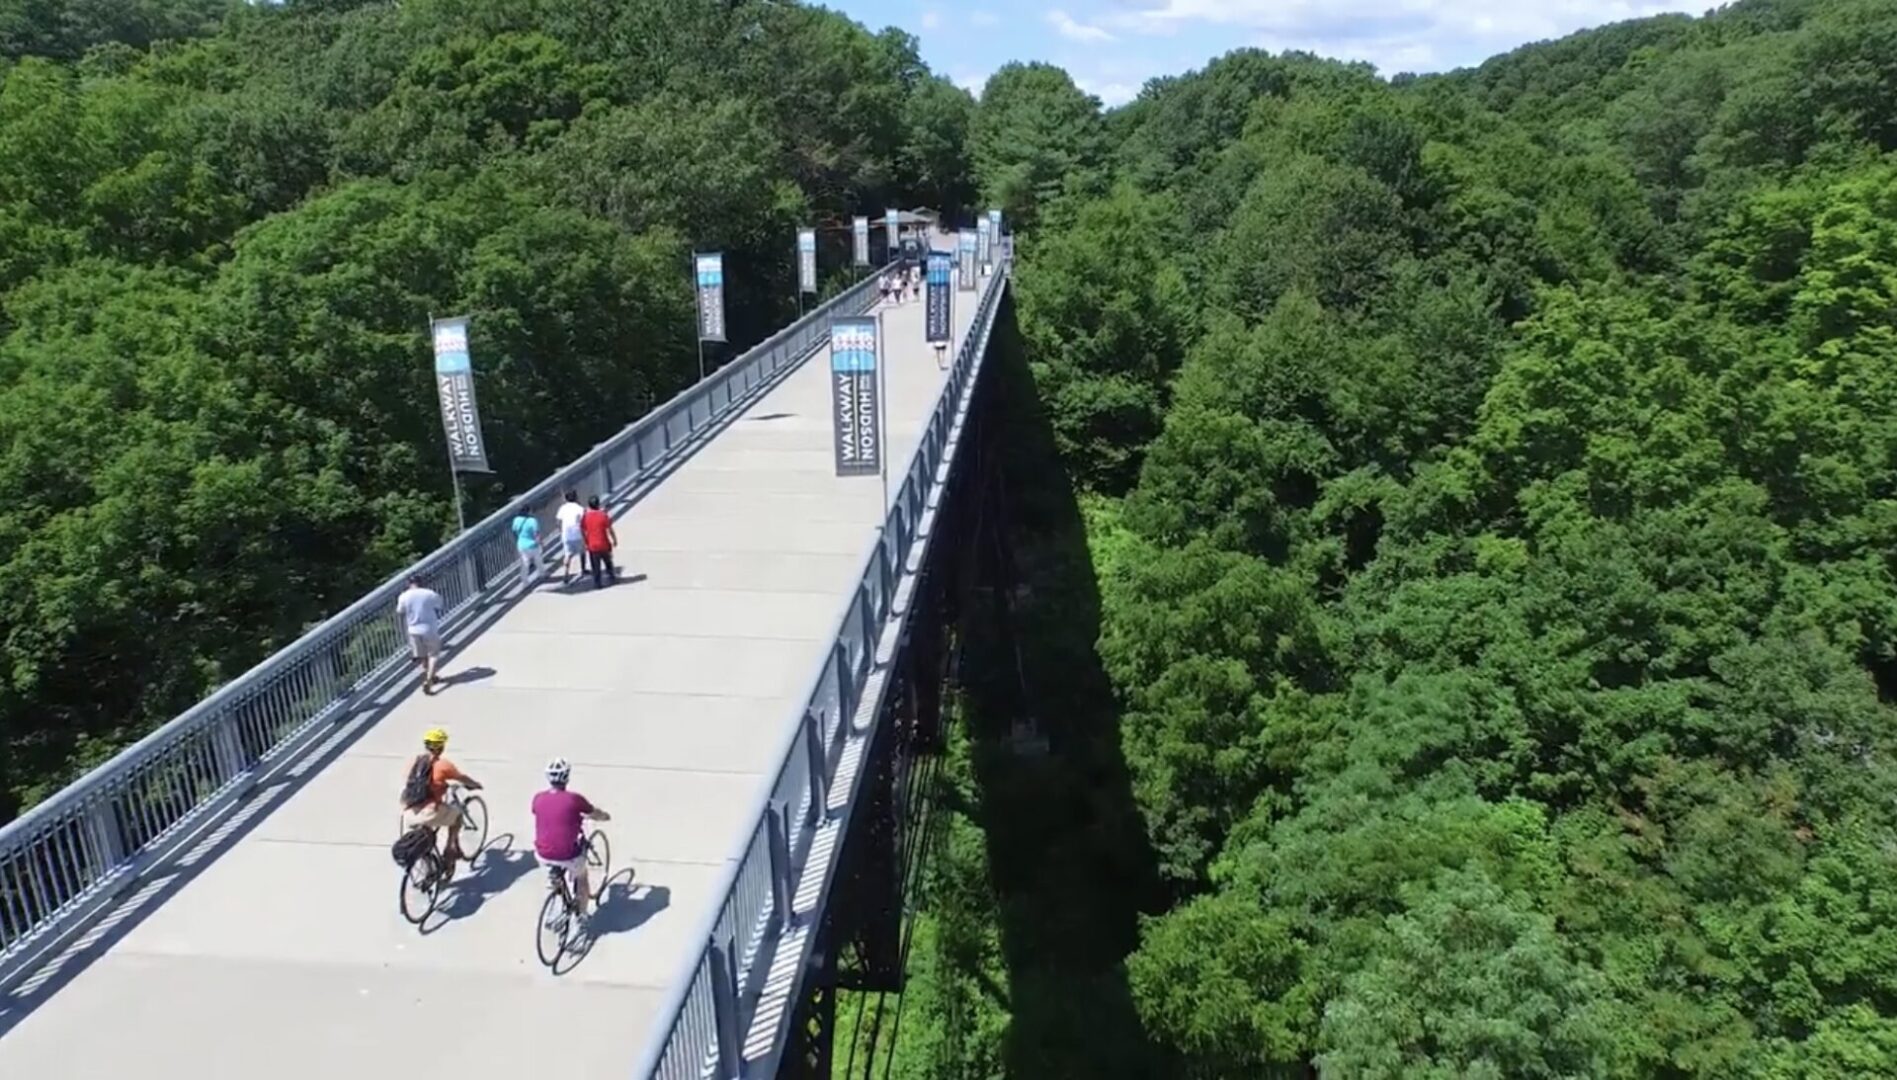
622 906
626 906
497 868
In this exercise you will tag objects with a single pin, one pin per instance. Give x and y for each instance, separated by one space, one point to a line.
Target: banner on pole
454 381
807 260
710 269
984 243
941 264
859 234
965 257
994 224
854 405
892 220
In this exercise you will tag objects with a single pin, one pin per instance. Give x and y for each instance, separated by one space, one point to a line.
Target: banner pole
701 358
882 427
460 518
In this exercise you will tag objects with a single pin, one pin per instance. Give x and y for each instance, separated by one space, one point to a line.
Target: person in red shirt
596 528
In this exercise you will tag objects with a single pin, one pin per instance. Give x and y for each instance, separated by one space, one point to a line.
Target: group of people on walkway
586 535
897 285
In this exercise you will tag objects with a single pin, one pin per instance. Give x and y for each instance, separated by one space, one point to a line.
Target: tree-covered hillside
1492 491
224 226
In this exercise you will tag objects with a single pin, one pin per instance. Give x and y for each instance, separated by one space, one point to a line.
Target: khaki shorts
433 816
424 646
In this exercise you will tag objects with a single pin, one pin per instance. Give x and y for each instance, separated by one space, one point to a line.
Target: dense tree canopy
1492 486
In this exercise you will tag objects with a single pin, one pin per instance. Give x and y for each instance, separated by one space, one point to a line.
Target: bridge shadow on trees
1069 868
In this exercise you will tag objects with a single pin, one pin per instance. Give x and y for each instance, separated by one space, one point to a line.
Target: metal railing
714 997
67 858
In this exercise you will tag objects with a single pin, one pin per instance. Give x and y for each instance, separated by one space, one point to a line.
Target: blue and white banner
965 257
994 224
454 382
710 270
892 221
855 409
807 260
937 312
859 236
984 243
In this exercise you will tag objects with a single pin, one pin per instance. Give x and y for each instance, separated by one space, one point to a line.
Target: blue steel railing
714 997
70 856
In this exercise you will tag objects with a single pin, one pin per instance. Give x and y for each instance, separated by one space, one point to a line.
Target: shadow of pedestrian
467 675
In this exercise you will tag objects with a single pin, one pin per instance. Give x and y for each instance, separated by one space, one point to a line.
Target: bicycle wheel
420 884
599 860
550 932
473 827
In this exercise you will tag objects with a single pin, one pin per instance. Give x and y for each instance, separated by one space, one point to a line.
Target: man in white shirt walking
419 608
572 544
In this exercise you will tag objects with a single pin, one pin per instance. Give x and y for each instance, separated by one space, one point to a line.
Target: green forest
1488 483
1455 516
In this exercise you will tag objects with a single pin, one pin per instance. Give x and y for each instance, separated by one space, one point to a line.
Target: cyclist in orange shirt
424 802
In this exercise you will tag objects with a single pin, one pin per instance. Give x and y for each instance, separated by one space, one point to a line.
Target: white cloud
984 18
969 82
1068 27
1111 94
1396 35
931 19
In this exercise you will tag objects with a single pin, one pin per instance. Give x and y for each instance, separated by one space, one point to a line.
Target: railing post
225 747
473 574
104 826
782 873
870 615
886 561
724 1006
846 682
819 782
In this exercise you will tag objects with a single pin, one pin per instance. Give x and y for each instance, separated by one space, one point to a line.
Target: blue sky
1112 46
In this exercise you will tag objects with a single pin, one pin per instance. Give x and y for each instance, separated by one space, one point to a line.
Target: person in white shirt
419 608
572 545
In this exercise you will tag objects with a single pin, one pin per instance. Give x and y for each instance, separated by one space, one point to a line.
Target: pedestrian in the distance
597 528
572 544
527 542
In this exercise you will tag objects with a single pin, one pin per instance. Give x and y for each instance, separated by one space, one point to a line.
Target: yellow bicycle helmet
435 737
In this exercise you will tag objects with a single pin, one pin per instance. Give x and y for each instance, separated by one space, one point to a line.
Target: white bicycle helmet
558 771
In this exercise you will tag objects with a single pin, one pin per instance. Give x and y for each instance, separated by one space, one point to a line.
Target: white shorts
571 866
423 646
573 545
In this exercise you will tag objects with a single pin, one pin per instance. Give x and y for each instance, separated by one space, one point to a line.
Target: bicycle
560 927
427 874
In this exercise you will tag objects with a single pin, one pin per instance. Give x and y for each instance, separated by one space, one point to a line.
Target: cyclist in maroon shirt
559 815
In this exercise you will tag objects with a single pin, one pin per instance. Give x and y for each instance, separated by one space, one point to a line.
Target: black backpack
415 788
413 845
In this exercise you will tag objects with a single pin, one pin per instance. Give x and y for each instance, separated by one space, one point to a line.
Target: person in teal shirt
527 542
